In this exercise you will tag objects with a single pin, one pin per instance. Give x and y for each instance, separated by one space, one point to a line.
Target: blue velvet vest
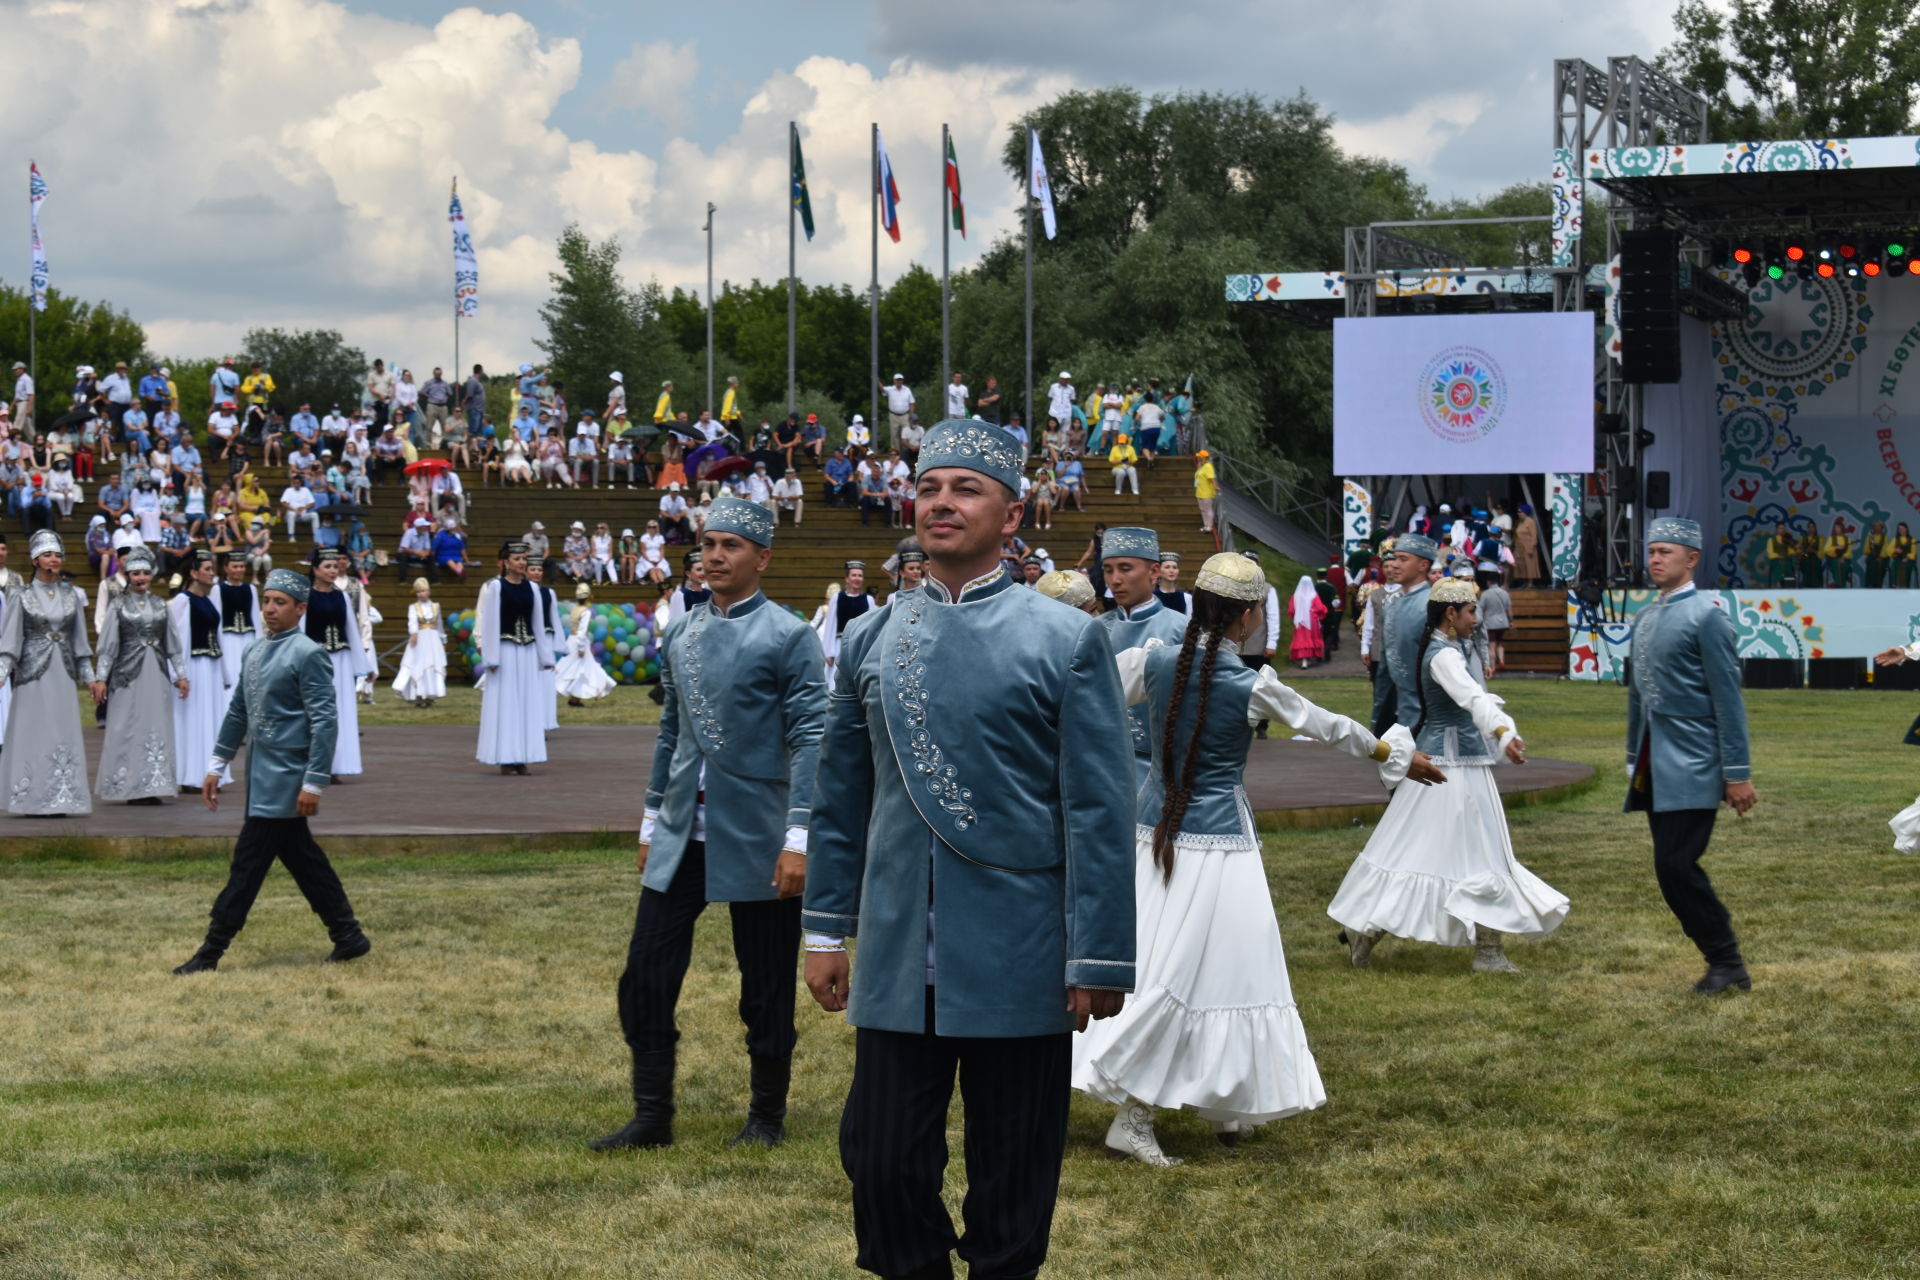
1448 734
1216 812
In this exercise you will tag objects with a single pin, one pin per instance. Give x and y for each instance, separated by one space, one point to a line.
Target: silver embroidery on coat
929 761
62 792
699 706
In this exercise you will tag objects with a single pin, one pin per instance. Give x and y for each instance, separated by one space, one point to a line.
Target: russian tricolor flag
889 191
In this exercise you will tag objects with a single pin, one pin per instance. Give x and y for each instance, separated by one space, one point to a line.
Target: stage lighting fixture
1825 270
1827 247
1913 266
1743 255
1775 271
1750 272
1848 251
1870 268
1796 251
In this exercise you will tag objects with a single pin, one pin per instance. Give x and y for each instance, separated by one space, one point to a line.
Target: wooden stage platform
423 792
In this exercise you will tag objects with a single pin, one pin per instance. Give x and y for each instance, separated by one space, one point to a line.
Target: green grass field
424 1113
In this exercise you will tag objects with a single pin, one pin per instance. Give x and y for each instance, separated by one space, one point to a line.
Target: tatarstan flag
953 191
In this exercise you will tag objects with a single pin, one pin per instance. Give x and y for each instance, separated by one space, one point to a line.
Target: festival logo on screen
1463 394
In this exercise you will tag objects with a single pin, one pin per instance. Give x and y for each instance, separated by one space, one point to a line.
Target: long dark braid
1436 614
1212 615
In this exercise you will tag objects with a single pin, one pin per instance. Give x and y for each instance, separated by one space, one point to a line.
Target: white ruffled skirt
1906 828
1440 863
1211 1026
514 703
346 748
196 721
423 667
580 675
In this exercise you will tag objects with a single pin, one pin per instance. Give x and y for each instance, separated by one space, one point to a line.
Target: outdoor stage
424 793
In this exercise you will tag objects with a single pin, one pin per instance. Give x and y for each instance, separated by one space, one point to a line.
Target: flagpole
709 231
456 308
793 142
33 345
873 297
1026 419
946 290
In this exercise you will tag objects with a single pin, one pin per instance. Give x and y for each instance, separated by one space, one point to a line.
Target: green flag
800 200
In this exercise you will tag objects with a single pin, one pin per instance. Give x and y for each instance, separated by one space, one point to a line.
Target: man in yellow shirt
1206 489
1123 457
730 407
663 407
257 386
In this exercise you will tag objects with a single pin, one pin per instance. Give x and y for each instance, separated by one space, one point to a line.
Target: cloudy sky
220 164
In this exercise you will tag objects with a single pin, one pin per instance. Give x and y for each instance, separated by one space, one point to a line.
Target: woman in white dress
142 672
333 624
1906 823
1211 1026
240 620
194 617
1440 867
423 668
580 676
600 559
514 463
515 666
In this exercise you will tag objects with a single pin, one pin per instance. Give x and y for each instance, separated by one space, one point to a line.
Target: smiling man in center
975 834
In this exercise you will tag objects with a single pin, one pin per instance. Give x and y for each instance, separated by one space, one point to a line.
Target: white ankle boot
1131 1135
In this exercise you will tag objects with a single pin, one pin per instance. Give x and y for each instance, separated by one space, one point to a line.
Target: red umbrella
428 466
727 467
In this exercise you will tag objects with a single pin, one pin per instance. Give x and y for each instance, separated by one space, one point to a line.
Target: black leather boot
207 958
767 1109
652 1123
349 942
1725 968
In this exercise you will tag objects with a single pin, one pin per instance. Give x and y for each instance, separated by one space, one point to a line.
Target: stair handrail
1286 498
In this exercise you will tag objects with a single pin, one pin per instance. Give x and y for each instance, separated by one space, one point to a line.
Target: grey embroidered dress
43 647
139 664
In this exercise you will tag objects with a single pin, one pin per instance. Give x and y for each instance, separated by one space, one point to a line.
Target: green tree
597 325
1799 68
68 334
309 366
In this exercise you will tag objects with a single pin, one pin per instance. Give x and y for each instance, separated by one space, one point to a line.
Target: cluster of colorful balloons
622 636
623 639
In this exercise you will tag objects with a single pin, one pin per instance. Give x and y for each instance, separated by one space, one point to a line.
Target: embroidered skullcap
1685 533
235 557
583 592
512 547
139 558
913 557
1165 556
1032 559
851 565
201 556
45 542
291 584
421 584
1066 586
1417 545
750 520
1131 542
1237 577
692 558
323 554
975 446
1454 591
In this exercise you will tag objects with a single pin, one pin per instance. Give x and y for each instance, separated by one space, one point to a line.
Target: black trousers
262 840
1680 839
766 945
893 1146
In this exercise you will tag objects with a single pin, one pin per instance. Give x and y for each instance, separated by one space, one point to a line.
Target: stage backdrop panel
1781 623
1463 395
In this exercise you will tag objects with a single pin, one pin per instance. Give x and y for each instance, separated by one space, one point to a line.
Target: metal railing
1288 499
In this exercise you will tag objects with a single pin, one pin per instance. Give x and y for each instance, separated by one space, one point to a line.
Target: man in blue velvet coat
1130 559
1396 684
726 821
973 825
284 703
1687 742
